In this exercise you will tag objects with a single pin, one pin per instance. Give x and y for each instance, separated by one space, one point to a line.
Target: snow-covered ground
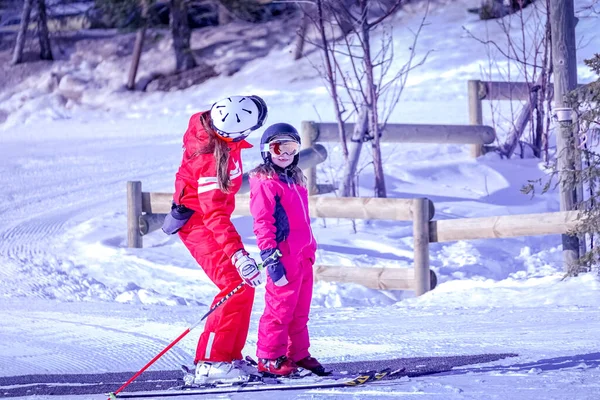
76 299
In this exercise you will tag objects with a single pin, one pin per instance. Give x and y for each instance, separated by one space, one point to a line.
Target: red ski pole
174 342
183 334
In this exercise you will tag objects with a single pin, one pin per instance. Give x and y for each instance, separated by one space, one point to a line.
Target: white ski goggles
277 148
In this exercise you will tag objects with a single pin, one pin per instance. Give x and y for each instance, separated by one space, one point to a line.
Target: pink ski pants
282 330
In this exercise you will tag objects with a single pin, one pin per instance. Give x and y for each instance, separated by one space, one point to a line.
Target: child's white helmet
235 117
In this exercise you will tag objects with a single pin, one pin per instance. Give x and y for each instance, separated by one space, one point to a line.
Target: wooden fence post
134 212
308 134
421 217
475 113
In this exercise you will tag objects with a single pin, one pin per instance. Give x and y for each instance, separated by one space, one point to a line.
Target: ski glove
247 268
274 267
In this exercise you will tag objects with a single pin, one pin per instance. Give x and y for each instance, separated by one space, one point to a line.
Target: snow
75 299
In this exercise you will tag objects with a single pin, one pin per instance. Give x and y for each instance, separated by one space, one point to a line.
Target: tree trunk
361 129
181 36
562 17
548 106
137 54
518 128
526 114
328 56
371 95
22 34
380 190
138 47
543 124
300 38
539 128
43 34
224 15
340 10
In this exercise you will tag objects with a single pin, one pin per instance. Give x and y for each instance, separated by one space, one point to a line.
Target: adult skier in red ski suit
206 183
279 205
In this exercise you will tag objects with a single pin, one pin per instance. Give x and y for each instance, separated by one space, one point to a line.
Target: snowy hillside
74 298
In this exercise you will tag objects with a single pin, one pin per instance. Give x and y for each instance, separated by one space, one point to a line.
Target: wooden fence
153 207
145 205
477 135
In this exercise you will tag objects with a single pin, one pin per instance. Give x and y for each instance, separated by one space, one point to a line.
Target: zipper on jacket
304 208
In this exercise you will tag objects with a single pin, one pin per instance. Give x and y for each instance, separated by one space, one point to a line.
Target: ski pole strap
277 253
223 300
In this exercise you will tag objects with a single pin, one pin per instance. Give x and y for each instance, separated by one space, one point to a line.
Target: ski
268 385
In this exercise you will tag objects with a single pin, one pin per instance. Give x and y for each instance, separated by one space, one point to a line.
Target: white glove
247 268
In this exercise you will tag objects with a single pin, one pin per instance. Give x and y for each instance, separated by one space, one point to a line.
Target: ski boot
311 364
213 372
281 366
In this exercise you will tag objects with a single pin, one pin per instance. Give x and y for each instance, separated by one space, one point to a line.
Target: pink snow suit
212 239
281 220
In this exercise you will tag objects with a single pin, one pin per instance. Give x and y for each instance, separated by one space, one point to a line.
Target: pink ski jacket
281 219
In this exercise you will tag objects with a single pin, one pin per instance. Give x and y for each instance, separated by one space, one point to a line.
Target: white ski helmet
235 117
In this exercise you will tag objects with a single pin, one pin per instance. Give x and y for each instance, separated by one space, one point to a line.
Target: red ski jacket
196 187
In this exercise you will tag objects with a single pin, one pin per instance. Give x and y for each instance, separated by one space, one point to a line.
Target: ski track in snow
80 338
56 344
33 225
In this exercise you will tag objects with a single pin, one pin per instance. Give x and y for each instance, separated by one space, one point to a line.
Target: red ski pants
226 329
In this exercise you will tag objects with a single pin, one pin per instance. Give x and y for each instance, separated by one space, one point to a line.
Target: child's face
282 160
283 149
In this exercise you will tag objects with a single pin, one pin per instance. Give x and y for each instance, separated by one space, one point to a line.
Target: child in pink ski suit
279 205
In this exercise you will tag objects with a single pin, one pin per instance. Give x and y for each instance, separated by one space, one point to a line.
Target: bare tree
181 32
301 36
43 33
22 34
224 15
371 89
592 8
529 59
138 46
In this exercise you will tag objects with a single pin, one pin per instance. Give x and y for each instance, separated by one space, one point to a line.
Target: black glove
274 267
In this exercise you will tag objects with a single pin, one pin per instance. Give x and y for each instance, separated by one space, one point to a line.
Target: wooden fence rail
407 133
476 135
502 226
